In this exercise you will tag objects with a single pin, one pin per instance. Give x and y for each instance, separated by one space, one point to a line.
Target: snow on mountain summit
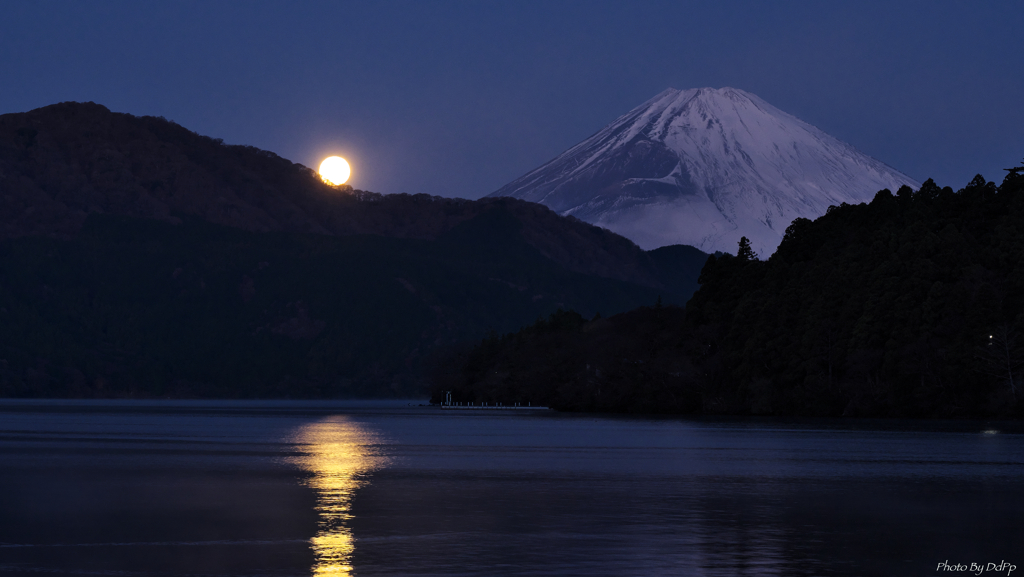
704 167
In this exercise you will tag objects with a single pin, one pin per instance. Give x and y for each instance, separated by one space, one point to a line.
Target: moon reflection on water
338 453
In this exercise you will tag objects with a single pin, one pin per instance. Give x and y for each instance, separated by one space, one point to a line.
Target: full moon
335 170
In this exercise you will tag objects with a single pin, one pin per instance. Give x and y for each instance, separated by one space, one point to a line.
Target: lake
137 488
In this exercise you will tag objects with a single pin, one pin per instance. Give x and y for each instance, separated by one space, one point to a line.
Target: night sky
459 98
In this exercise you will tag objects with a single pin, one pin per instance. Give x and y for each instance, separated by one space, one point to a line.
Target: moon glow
335 170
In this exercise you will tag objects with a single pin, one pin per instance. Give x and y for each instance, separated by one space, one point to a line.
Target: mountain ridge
63 162
703 167
140 259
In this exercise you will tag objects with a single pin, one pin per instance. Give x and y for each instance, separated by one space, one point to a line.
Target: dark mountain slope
134 307
911 305
140 259
60 163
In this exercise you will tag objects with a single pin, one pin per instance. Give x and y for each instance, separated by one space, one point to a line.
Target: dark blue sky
458 98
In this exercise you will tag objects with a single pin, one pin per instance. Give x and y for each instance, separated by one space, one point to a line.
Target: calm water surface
385 488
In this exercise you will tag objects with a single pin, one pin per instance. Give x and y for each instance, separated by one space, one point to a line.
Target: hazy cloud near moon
458 99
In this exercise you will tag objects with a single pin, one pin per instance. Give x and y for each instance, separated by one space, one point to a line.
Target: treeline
911 305
631 362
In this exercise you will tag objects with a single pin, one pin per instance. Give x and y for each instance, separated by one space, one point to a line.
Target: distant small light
989 432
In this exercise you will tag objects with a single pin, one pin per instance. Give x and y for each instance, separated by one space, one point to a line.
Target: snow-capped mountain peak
704 167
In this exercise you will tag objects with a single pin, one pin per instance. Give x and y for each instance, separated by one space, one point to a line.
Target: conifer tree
745 252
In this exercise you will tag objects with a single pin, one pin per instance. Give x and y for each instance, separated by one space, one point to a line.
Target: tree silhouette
745 252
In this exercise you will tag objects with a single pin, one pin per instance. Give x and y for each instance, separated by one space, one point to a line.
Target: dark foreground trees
630 362
910 305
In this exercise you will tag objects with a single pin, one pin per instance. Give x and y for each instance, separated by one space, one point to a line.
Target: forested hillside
910 305
138 258
137 308
61 163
